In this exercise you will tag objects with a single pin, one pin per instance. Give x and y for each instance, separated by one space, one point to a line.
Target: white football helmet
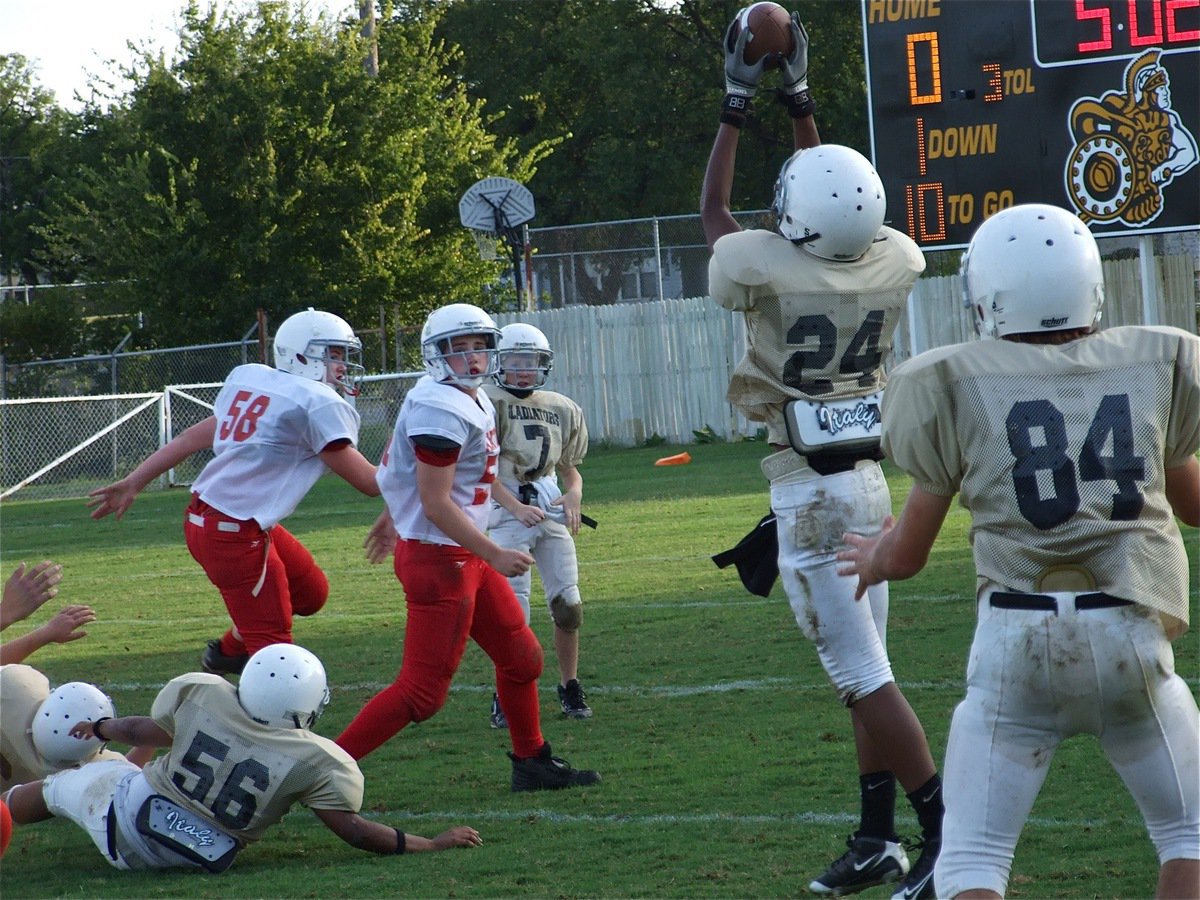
524 348
830 201
302 344
1032 268
76 701
283 686
453 321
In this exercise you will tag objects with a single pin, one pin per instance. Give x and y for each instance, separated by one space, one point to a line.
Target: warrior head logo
1129 145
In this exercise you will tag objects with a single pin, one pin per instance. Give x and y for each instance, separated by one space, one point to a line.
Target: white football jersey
442 411
816 329
538 433
271 428
1059 453
23 689
239 774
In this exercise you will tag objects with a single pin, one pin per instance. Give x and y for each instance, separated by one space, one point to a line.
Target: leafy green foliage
266 169
633 88
35 150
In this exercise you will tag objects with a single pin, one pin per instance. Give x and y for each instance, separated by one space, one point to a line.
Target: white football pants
812 512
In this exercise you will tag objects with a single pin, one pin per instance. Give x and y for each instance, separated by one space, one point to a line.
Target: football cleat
868 862
574 700
548 773
217 663
498 719
918 884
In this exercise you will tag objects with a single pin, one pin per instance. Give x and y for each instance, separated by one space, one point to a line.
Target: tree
35 150
632 89
266 169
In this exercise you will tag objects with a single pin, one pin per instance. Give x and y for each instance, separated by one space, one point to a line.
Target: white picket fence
661 368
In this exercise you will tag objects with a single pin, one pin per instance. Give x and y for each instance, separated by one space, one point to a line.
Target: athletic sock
927 801
878 792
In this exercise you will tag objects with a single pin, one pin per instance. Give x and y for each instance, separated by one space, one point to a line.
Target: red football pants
264 576
451 595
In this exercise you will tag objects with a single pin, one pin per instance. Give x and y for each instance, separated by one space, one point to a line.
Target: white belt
785 462
222 525
234 528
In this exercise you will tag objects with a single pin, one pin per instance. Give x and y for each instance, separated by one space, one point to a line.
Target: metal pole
113 359
657 257
530 304
382 339
1149 273
260 325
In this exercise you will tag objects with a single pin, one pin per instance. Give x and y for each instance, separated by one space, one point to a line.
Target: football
770 31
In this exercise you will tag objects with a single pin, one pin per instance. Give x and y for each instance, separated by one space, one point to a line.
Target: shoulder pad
742 256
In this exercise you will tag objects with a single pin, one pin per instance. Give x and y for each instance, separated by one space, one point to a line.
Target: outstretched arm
902 548
350 465
62 629
28 589
118 496
375 837
741 83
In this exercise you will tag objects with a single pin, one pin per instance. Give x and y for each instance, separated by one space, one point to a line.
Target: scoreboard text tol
1092 105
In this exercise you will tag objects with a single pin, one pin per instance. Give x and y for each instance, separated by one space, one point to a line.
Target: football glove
741 78
795 65
794 92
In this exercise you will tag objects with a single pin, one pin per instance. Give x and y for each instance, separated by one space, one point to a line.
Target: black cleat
918 885
548 773
868 862
498 718
216 662
574 700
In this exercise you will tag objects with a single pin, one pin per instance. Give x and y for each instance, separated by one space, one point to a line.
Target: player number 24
861 357
1112 423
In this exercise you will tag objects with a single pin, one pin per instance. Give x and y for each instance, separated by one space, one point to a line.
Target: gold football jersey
537 433
23 689
241 775
815 329
1059 454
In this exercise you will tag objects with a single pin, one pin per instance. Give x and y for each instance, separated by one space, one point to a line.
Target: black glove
794 92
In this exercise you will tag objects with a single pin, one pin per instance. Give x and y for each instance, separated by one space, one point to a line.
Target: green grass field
728 764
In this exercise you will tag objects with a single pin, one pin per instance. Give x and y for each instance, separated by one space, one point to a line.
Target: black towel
756 557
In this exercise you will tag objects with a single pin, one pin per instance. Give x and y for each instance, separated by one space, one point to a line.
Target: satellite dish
495 205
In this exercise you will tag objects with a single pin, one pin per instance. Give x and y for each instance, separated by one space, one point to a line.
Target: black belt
1013 600
111 831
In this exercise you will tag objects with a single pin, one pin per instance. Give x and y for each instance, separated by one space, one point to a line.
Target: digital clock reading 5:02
1072 31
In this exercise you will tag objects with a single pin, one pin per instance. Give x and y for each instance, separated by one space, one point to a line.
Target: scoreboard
977 105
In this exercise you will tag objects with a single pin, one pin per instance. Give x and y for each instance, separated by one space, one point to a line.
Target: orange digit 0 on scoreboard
935 94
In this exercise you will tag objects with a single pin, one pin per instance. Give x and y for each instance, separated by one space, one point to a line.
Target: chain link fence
134 371
60 447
